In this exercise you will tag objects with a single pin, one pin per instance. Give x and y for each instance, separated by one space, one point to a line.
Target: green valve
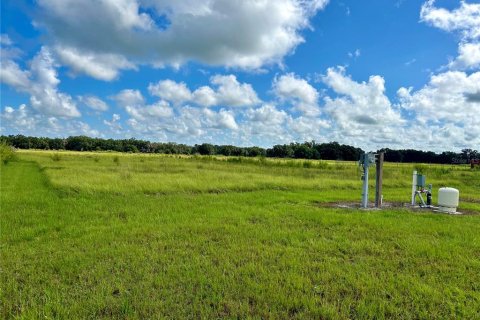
421 180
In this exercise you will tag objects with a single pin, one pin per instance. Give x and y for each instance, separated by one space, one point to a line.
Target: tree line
306 150
446 157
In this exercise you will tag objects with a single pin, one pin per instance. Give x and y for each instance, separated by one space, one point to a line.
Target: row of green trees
446 157
306 150
312 150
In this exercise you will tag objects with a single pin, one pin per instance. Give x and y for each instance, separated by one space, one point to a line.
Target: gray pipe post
365 184
379 180
366 160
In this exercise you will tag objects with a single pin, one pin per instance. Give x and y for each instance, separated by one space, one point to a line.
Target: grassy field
104 235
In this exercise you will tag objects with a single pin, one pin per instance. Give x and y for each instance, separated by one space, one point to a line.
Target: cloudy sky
376 73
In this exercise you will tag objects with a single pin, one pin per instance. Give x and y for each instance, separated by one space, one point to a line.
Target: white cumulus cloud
152 112
12 75
171 91
220 120
101 37
266 124
27 121
451 96
464 20
41 83
226 91
231 93
102 66
361 112
468 57
114 124
129 97
298 92
94 102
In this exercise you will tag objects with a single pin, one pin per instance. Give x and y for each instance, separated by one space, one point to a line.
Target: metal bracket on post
367 160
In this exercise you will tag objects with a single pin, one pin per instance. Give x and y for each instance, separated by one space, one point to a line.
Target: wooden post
379 180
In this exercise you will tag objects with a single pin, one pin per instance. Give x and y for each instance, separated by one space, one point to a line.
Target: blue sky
397 74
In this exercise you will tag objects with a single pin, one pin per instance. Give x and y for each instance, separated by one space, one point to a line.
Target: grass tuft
7 152
56 157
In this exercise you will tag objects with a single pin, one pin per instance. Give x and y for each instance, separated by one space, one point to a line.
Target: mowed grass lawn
100 235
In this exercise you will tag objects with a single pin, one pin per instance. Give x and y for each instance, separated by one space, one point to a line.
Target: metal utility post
365 187
366 160
379 180
414 187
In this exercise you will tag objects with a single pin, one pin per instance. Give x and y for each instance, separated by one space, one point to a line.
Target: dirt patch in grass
386 205
356 205
471 200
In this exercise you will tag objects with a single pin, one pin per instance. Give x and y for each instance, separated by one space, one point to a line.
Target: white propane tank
448 200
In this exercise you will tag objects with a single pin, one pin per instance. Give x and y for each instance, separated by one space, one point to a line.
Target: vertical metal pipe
379 180
365 185
414 187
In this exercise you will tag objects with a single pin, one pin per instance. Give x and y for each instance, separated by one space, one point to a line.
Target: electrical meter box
371 158
421 180
367 159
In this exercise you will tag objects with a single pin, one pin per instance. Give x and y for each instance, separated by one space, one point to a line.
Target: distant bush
96 159
442 171
322 165
234 159
56 157
307 164
130 148
116 160
290 163
421 168
7 152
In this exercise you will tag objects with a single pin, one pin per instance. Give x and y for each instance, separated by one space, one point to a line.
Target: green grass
86 236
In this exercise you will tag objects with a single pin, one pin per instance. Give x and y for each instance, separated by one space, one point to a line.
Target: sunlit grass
151 174
151 236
